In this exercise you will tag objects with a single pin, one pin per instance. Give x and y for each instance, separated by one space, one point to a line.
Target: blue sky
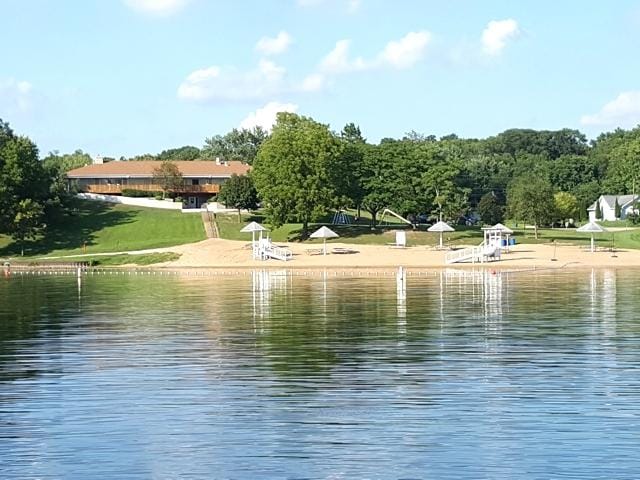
127 77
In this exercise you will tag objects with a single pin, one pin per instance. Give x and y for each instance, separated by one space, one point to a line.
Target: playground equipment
394 214
341 218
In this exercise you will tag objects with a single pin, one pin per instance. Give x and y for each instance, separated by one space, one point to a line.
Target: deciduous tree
490 210
167 175
565 206
530 199
295 170
239 192
241 145
27 222
22 177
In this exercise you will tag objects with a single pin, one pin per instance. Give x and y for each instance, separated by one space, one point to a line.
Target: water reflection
461 374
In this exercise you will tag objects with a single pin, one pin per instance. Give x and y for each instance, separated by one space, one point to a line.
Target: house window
195 181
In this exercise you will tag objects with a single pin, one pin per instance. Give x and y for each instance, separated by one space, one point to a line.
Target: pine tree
617 209
598 210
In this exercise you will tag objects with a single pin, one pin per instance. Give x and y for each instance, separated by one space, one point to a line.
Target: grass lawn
359 233
96 227
362 234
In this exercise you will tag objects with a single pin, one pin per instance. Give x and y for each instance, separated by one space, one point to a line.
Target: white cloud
399 54
353 6
313 83
157 7
228 84
407 51
274 46
496 35
337 60
623 111
15 96
265 117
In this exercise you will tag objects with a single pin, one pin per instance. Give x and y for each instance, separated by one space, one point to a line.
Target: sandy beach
228 253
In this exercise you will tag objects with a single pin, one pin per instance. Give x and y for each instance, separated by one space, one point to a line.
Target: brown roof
142 169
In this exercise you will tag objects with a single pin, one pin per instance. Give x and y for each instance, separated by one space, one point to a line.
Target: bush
132 192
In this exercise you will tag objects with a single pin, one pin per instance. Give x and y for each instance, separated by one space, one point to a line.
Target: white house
608 206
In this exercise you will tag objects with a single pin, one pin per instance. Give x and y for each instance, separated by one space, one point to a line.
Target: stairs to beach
210 225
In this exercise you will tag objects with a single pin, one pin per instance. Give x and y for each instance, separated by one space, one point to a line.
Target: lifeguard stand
492 237
493 242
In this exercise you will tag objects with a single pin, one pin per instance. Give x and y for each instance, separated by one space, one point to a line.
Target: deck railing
117 188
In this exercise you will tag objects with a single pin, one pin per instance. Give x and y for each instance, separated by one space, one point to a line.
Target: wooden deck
117 189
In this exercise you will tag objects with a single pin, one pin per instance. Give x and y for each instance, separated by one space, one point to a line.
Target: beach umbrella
440 227
324 233
592 228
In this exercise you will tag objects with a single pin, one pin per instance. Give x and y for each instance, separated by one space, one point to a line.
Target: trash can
512 241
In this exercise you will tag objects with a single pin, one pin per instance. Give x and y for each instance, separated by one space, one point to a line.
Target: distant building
202 179
608 207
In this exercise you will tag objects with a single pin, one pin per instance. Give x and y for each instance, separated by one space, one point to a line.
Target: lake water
456 375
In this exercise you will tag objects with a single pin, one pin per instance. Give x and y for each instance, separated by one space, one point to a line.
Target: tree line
33 192
303 169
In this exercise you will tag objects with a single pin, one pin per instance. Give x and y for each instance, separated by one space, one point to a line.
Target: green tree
22 177
617 209
350 165
565 206
530 199
586 194
167 175
598 211
186 153
239 192
27 222
59 164
241 145
295 170
377 178
490 210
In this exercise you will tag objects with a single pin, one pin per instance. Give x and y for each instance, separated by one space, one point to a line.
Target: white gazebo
592 228
252 228
441 227
324 233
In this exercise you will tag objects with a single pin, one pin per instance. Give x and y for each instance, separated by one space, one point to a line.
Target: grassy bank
96 227
100 260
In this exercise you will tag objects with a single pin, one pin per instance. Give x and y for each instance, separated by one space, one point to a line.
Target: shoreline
231 254
219 253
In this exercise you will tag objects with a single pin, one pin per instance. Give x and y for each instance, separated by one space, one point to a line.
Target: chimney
217 160
226 164
98 160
